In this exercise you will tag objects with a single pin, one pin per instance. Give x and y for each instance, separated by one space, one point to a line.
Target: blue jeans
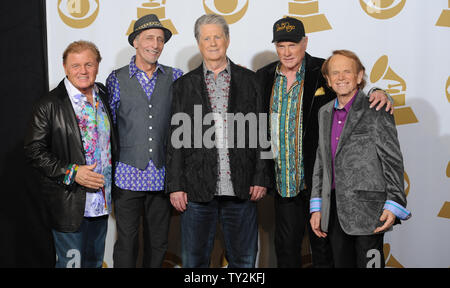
238 219
84 248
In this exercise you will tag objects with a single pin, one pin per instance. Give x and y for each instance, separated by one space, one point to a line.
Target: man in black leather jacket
70 141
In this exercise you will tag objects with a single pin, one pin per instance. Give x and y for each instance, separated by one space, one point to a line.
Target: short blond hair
80 46
349 54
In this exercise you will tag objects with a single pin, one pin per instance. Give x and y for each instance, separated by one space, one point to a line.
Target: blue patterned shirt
128 177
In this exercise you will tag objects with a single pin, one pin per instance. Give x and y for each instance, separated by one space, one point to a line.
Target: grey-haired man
140 100
295 81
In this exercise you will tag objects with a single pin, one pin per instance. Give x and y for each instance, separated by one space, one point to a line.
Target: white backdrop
404 45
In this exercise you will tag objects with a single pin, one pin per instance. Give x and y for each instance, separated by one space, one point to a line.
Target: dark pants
353 251
240 231
84 248
291 217
129 206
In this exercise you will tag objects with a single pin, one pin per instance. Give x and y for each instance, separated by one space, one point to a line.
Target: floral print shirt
95 130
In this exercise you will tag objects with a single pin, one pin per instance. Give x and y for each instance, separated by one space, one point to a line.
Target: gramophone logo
308 12
445 210
78 13
444 19
390 260
231 10
396 87
157 8
382 9
447 89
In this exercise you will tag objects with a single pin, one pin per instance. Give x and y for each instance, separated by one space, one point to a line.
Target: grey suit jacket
368 167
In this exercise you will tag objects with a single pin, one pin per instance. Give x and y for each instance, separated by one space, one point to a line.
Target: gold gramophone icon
307 11
445 210
444 19
381 71
447 90
159 10
389 258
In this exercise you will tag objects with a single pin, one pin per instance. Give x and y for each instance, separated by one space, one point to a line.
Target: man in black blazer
215 178
70 141
297 77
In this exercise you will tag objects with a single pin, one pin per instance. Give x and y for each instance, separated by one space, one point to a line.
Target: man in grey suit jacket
358 191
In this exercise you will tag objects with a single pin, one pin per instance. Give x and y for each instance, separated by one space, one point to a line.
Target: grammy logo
159 10
444 19
307 12
397 89
447 89
78 13
231 10
391 261
407 183
382 9
445 210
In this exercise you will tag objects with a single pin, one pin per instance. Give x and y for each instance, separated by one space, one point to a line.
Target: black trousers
291 217
353 251
155 208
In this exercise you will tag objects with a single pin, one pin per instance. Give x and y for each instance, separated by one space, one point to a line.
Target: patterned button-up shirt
286 106
126 176
218 93
95 135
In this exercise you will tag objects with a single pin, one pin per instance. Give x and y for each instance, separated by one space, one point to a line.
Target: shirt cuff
401 212
315 204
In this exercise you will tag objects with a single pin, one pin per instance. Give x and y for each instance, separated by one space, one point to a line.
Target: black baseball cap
288 29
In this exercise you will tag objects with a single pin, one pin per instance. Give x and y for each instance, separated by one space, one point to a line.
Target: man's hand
257 192
387 216
378 97
88 178
315 225
179 200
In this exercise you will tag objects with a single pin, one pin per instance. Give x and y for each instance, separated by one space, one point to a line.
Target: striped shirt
286 111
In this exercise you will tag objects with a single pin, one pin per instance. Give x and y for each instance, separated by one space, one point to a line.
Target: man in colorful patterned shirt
70 141
140 100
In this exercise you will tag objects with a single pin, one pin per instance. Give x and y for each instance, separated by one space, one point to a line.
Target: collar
300 72
348 105
227 68
134 69
75 95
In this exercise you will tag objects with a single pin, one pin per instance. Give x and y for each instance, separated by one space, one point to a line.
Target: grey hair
211 19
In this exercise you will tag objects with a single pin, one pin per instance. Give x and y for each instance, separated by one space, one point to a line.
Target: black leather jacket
52 142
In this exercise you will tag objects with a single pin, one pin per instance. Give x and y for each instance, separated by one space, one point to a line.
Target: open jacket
368 167
316 94
195 170
52 142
